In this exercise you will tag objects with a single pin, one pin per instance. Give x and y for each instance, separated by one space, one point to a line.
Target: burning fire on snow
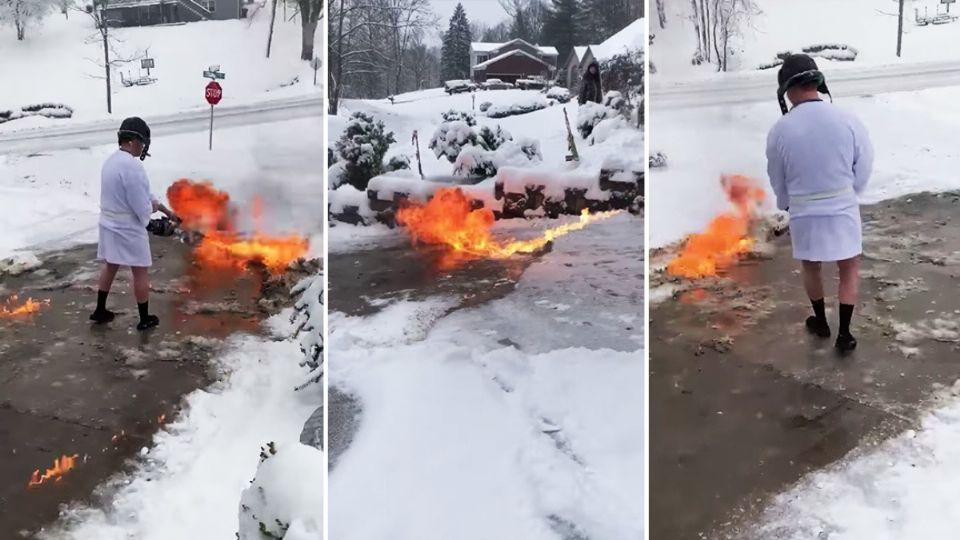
727 236
11 308
208 210
61 466
449 219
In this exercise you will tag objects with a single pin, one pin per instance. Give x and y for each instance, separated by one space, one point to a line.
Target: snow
908 130
534 440
484 47
54 64
51 200
867 25
904 488
508 54
189 483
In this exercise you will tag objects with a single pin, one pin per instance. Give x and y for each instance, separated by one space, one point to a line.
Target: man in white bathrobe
819 158
125 208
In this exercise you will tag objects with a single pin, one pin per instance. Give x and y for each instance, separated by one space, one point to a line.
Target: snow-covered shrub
285 498
559 93
833 51
484 106
477 162
606 128
514 109
658 160
454 116
624 75
450 138
350 205
613 99
308 320
397 163
362 147
590 114
491 140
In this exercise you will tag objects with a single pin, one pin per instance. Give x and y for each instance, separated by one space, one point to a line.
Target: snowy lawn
910 132
870 26
55 64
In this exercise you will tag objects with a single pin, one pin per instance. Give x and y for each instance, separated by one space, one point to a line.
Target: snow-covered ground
522 418
870 26
56 63
53 200
189 484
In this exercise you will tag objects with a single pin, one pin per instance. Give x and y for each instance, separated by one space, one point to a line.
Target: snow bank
514 109
516 180
285 499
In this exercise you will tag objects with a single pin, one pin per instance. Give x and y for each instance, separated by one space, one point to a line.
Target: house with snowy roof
150 12
631 38
515 59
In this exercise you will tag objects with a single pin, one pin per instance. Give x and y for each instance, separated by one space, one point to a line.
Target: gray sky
488 12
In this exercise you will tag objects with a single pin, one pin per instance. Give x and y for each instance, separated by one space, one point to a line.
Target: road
760 86
93 133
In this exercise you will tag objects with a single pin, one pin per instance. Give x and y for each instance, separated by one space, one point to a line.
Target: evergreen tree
455 53
561 27
604 18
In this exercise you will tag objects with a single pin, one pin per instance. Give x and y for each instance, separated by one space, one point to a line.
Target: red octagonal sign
213 93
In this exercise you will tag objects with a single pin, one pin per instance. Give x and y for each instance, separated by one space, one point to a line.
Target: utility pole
104 31
900 31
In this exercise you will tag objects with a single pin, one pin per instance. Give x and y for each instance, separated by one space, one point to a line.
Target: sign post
947 2
315 64
213 94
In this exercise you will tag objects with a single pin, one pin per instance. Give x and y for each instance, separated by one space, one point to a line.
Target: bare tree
23 13
310 12
98 14
273 18
661 14
405 19
730 19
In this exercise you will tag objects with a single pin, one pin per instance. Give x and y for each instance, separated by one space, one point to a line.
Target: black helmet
799 69
135 127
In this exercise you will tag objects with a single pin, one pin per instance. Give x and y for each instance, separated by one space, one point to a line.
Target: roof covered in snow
633 37
508 54
480 46
580 52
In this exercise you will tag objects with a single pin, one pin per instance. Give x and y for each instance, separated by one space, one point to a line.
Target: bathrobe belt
119 215
821 196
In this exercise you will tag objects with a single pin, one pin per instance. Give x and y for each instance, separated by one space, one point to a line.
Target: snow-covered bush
362 147
514 109
624 75
491 140
307 318
454 116
658 160
559 93
450 138
590 114
285 498
606 128
833 51
477 162
613 99
397 163
484 106
23 13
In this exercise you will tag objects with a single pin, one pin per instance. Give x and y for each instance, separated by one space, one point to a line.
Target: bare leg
141 283
107 276
849 280
813 280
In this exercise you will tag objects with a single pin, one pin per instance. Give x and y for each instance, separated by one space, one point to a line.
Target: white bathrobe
819 159
125 209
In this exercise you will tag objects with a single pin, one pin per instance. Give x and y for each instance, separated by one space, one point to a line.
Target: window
481 58
211 6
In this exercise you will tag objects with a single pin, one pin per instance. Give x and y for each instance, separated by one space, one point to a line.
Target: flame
61 466
449 219
201 206
207 209
10 309
727 236
227 249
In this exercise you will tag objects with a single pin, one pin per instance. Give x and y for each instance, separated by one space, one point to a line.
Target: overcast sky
488 12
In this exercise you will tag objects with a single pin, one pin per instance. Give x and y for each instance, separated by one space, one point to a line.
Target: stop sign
213 93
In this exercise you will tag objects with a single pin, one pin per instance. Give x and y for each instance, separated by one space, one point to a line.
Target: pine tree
455 53
604 18
561 28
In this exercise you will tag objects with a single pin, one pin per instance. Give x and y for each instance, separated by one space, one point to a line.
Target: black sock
102 300
819 310
144 308
846 313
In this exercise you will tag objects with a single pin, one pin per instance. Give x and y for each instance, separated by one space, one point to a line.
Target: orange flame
207 209
10 309
61 466
727 236
449 219
201 206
